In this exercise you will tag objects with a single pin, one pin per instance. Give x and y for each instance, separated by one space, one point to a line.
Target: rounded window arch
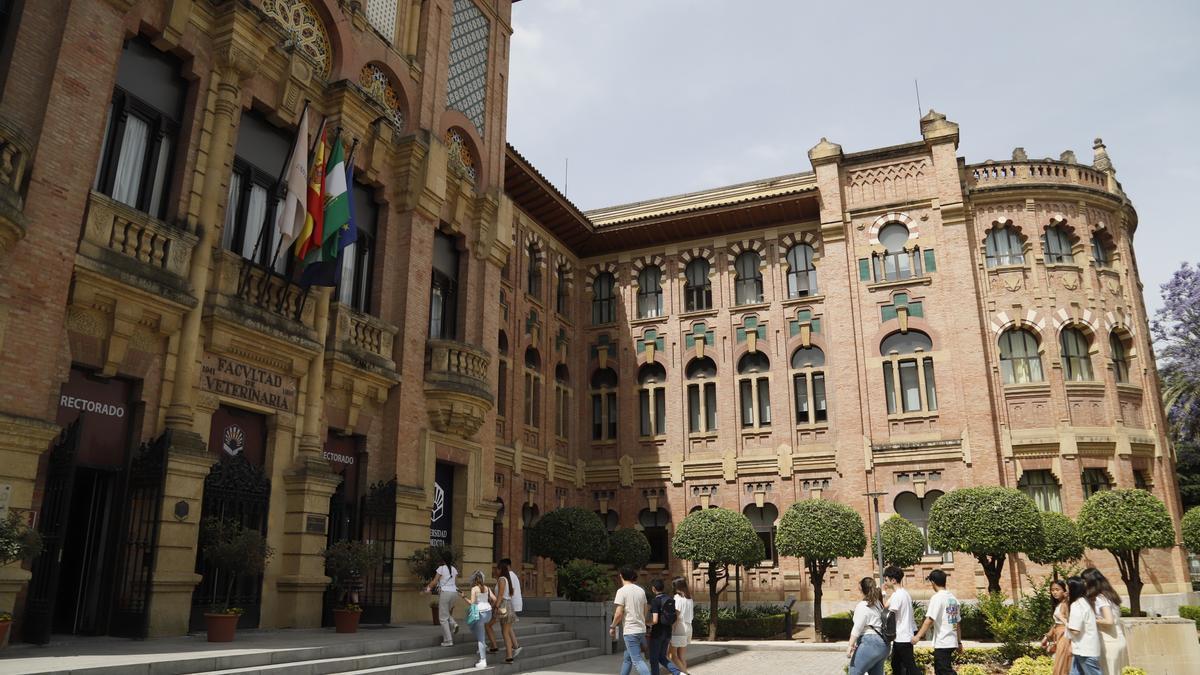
603 302
701 374
652 399
532 359
802 272
916 510
908 373
808 385
610 519
748 281
652 373
604 378
1076 354
533 270
502 342
1020 362
753 362
604 404
654 526
649 295
763 520
561 374
1056 245
754 389
1042 488
1120 356
461 154
894 236
502 368
1102 249
898 261
1003 246
697 289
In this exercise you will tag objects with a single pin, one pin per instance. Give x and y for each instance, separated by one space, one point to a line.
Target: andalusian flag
337 201
312 235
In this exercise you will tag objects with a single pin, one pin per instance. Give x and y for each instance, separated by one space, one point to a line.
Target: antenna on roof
917 87
566 174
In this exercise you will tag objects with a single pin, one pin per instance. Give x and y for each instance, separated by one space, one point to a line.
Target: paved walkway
612 663
792 662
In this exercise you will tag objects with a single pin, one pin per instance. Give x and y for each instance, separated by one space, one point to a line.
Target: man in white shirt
631 616
1081 626
943 618
900 603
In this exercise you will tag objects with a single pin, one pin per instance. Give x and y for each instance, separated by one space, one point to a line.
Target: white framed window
652 400
1076 357
908 373
748 281
1056 246
1003 247
1020 362
697 289
649 295
701 376
1042 488
604 405
802 273
754 390
808 385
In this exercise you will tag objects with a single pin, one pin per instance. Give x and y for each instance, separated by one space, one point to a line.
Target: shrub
1007 623
1191 529
1130 670
18 541
585 581
347 561
628 546
903 543
567 534
763 621
1060 540
1026 665
820 531
1038 607
1191 612
1124 523
837 627
717 538
987 522
423 563
971 669
233 550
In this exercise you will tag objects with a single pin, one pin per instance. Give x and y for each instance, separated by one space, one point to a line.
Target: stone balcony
130 246
1029 173
14 161
249 297
361 340
458 394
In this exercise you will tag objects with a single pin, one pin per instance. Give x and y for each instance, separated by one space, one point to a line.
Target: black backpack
667 613
889 626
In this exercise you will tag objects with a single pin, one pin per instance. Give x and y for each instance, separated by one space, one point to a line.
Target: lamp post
878 535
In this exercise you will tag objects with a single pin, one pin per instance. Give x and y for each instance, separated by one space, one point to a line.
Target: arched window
1056 246
502 376
652 399
654 526
763 520
908 373
1020 361
1120 357
649 295
748 283
754 389
562 294
1042 488
604 405
702 395
529 517
443 290
562 401
916 510
533 387
1076 361
1095 480
533 271
697 290
611 520
808 385
802 273
1101 252
498 534
602 299
896 262
1003 247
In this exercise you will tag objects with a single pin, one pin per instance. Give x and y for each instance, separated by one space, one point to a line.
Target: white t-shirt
900 602
868 619
1085 638
633 599
685 612
482 598
944 611
447 583
518 603
1117 631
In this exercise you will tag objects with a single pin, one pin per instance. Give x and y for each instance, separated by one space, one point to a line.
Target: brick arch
1060 220
1031 320
1001 223
562 263
893 217
787 241
1118 321
532 237
689 255
743 349
917 324
596 269
739 247
1083 318
642 262
793 343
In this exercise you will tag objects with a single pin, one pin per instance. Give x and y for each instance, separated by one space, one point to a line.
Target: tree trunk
993 567
1129 562
816 573
712 602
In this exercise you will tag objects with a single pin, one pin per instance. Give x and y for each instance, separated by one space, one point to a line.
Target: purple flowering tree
1176 329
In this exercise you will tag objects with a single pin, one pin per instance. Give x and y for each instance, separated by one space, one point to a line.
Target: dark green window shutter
930 263
864 269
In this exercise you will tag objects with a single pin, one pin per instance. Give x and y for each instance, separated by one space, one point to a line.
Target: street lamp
878 535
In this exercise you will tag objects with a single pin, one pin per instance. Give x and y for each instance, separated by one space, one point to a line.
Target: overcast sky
649 98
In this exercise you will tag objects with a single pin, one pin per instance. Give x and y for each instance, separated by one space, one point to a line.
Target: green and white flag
337 201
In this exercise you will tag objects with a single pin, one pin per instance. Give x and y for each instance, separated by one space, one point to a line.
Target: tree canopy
820 531
718 536
987 522
1124 523
903 542
1176 329
569 533
1191 529
628 546
1060 540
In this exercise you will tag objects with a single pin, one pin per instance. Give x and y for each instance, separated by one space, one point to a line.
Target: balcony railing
457 392
990 174
124 230
361 335
14 162
255 286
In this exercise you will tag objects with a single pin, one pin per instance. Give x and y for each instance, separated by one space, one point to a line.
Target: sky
618 101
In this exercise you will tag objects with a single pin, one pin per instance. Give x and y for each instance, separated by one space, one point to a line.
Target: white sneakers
448 643
517 652
481 664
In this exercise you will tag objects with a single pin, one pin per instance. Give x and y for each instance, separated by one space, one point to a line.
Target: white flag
290 219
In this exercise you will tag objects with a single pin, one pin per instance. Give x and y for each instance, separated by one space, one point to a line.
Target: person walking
681 632
481 603
868 650
663 615
900 603
447 588
943 619
505 612
1057 642
1114 649
1081 626
631 616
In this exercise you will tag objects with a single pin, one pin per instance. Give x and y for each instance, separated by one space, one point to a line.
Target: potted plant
18 542
423 564
345 563
234 551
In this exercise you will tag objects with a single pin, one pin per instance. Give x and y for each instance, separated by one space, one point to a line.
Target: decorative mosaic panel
467 87
461 161
379 87
304 27
382 16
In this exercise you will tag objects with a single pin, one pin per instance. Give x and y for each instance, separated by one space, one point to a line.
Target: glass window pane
747 400
930 386
104 146
231 209
693 408
660 411
889 386
764 402
127 184
710 406
644 404
893 236
256 213
612 415
345 289
502 389
820 409
159 187
910 386
800 391
597 417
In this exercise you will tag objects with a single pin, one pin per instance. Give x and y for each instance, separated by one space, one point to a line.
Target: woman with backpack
681 632
479 612
868 649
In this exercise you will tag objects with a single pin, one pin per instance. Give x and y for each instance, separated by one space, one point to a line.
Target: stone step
497 666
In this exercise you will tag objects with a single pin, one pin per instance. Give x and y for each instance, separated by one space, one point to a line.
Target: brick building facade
894 320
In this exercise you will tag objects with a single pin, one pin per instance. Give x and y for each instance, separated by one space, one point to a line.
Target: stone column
24 440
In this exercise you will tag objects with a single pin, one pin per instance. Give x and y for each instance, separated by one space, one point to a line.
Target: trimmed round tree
989 523
628 546
903 542
567 534
1061 542
820 531
717 538
1125 523
1191 529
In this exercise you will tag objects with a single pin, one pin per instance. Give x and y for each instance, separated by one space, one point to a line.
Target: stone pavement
732 658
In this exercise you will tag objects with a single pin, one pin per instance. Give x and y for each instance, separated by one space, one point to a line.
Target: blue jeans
869 656
485 615
658 654
633 655
1085 665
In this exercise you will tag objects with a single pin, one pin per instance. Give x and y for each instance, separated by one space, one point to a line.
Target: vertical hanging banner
440 517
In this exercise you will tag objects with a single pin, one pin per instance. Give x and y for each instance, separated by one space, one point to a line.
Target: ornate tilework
467 86
381 14
379 87
304 26
461 160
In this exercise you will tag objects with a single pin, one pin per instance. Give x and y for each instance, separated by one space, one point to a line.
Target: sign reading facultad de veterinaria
440 519
248 382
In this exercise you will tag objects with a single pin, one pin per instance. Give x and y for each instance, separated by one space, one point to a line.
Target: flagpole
279 182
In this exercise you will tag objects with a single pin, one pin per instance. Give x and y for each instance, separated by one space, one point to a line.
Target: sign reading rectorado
237 379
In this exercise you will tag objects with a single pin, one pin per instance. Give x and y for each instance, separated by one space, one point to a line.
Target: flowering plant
18 541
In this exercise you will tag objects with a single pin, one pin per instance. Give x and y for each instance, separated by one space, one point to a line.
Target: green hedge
764 621
1191 612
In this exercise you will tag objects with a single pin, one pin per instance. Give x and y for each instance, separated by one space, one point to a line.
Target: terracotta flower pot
433 609
221 627
346 620
4 626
